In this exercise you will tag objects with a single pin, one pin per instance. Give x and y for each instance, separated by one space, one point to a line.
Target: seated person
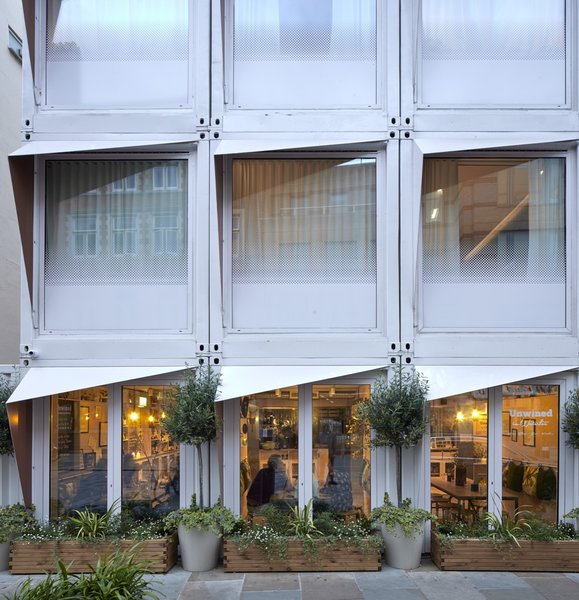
270 483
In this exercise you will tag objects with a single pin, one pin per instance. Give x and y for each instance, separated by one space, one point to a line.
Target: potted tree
571 419
191 419
395 411
13 521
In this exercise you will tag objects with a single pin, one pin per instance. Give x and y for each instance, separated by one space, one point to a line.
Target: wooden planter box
484 555
339 558
42 557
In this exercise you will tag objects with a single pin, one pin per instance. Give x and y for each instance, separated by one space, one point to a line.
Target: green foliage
573 514
117 577
275 518
14 520
218 519
6 446
570 421
395 409
301 523
411 520
191 417
506 529
90 525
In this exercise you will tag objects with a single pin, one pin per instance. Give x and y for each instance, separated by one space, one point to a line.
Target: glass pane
530 449
321 53
268 450
117 53
78 451
305 227
458 456
150 469
493 232
341 477
493 52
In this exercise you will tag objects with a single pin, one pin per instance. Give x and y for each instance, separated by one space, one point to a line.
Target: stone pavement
425 583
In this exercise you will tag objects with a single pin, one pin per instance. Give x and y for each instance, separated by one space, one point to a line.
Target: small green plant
411 520
14 520
301 522
218 519
572 514
90 525
117 577
507 529
570 420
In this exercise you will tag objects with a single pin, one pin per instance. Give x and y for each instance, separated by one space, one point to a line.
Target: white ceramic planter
199 549
4 554
402 552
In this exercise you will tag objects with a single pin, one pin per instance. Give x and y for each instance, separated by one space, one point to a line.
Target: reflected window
78 456
530 448
341 475
150 468
458 456
268 450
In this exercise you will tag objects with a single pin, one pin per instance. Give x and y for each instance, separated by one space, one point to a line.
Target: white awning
63 146
447 381
245 380
265 145
45 381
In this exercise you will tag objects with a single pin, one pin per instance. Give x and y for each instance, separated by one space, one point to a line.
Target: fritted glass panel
496 52
341 473
458 456
117 53
268 450
304 243
493 243
150 462
312 54
116 252
78 451
530 449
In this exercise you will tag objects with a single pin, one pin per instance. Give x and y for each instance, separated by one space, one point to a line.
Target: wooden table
464 494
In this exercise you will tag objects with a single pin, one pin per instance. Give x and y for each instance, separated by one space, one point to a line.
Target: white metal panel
237 381
245 146
436 144
45 381
63 146
447 381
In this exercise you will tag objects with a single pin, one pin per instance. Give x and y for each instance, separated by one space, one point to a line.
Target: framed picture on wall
103 433
514 434
83 417
506 422
529 427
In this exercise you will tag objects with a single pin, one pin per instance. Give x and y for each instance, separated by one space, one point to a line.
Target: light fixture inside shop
134 416
460 416
142 401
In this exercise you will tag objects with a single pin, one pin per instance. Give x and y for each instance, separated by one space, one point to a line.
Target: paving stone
513 594
214 590
555 586
215 575
385 580
386 593
261 582
445 585
279 595
483 580
573 576
338 586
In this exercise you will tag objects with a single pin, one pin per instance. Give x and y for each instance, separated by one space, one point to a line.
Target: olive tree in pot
395 411
6 446
191 419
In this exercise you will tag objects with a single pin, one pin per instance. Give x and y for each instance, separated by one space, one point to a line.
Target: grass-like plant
301 523
90 525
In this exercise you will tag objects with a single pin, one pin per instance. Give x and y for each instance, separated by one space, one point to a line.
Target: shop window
493 53
309 54
78 451
458 456
117 54
493 243
111 262
304 228
530 449
341 474
269 450
150 462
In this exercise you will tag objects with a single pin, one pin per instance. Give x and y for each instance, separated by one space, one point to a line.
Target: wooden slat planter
42 557
340 558
484 555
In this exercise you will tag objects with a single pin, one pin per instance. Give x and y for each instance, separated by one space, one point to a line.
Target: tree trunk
200 466
399 474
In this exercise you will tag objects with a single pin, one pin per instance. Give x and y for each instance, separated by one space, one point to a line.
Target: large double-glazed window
306 54
304 243
116 246
508 53
117 54
493 243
